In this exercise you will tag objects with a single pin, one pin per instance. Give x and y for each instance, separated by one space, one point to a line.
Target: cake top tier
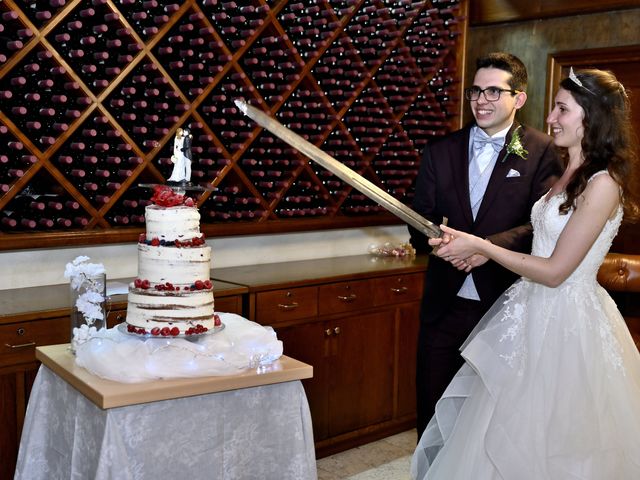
172 219
172 223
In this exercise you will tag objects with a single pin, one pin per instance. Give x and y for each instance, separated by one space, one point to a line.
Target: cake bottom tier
186 310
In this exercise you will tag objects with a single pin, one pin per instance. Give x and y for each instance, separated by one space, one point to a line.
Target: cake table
252 425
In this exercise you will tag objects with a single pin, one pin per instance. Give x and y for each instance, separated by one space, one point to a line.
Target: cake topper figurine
181 157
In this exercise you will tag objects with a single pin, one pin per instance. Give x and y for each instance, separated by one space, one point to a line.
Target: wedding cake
172 294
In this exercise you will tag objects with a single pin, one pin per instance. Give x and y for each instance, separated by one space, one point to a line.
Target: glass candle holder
88 303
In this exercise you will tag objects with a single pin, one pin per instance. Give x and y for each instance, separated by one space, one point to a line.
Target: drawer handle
288 306
399 290
347 298
327 332
23 345
336 330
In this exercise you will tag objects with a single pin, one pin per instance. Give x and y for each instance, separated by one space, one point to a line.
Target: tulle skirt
550 390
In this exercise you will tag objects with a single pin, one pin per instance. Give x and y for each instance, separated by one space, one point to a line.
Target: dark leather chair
620 275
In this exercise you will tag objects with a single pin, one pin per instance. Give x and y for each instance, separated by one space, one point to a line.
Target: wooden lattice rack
93 91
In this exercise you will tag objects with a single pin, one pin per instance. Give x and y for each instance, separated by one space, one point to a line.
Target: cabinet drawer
286 304
19 340
345 296
398 288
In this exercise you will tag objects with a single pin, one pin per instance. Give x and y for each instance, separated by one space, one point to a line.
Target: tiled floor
386 459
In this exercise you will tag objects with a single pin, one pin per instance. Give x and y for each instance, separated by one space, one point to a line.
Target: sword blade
341 171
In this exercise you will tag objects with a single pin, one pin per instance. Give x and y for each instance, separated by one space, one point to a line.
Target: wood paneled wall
495 11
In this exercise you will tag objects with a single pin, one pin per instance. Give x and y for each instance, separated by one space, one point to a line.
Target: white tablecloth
254 433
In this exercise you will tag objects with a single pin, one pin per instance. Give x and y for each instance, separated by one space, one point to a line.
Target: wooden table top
111 394
308 272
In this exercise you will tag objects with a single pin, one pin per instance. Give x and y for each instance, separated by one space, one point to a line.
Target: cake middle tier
178 266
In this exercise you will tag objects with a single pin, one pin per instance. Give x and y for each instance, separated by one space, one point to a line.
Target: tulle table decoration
118 356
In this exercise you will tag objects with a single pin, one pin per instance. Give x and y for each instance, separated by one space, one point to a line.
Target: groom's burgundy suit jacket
442 190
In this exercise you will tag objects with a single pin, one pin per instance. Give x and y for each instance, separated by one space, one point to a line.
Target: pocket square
513 173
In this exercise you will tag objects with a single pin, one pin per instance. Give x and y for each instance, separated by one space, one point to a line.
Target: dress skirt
550 390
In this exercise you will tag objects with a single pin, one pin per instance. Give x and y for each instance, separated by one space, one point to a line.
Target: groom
484 179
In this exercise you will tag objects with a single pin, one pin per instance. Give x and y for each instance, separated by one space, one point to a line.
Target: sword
341 171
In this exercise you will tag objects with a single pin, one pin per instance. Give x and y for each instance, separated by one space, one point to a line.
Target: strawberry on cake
172 294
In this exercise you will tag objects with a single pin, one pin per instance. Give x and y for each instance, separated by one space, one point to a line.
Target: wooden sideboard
38 316
355 320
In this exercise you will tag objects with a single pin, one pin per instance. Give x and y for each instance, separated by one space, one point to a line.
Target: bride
551 384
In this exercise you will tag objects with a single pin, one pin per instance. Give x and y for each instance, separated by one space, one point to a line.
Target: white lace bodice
548 225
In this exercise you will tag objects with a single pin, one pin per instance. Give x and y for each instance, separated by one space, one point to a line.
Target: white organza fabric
256 433
129 359
551 384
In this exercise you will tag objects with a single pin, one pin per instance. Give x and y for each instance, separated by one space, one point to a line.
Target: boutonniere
515 145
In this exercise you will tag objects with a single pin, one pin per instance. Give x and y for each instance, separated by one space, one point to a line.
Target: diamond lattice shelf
93 92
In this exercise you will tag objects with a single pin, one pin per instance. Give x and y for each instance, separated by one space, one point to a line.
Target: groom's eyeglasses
491 94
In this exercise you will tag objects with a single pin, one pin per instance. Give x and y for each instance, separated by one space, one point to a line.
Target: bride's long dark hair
609 142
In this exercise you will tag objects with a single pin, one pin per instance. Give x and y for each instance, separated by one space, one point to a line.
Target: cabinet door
114 317
308 343
231 304
409 324
361 370
15 386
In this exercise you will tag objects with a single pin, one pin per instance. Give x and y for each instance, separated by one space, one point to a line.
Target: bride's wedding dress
551 384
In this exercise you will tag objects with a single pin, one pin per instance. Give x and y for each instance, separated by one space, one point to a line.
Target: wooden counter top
110 394
276 275
52 301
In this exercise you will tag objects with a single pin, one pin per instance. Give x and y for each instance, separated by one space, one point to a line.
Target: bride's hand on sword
458 248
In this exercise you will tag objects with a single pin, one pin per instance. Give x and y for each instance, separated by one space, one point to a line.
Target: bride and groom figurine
181 158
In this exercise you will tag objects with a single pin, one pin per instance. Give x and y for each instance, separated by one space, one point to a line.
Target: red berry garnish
164 331
199 284
188 202
145 284
137 283
131 328
155 242
155 331
216 320
207 284
175 331
142 238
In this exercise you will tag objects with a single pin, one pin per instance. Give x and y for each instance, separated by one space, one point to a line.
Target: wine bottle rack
93 91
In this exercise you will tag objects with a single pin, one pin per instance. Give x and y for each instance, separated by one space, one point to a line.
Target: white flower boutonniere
515 145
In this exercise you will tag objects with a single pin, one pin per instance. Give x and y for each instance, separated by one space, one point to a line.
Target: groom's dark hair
509 63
